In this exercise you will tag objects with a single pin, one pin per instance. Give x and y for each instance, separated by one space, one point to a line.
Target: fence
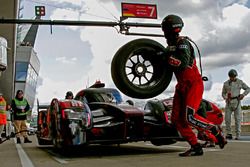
245 119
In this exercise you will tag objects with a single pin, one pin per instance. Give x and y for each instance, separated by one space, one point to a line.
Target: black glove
164 54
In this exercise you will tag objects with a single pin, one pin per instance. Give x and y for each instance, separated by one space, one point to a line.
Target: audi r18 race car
63 123
98 116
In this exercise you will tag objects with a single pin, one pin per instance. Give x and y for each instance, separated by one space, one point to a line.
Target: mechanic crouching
20 107
189 89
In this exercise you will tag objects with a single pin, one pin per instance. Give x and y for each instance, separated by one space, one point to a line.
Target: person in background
3 119
232 95
69 95
189 89
10 131
20 107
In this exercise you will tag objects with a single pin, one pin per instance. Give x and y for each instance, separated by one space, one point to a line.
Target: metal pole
124 26
77 23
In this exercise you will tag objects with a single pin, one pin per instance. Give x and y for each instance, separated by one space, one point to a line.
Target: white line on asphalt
238 141
212 149
62 161
25 161
58 157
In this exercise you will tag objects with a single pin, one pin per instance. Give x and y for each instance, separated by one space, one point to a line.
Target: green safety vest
2 107
21 105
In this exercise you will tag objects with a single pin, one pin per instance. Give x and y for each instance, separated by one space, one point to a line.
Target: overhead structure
123 26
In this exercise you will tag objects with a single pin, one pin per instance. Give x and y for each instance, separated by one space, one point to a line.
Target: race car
98 116
63 123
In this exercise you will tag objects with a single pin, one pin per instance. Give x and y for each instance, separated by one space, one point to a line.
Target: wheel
157 109
56 143
138 71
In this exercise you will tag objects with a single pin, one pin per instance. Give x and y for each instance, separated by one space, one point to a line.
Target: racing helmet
69 93
172 24
232 73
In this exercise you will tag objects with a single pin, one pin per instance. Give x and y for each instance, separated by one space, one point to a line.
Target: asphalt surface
141 154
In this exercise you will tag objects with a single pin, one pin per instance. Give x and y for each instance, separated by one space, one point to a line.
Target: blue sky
74 57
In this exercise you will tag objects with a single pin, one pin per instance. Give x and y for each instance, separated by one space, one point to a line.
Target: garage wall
8 9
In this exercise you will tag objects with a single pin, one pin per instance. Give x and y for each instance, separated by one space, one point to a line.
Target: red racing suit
188 92
212 113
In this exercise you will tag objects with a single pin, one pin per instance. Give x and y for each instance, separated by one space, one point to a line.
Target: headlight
71 114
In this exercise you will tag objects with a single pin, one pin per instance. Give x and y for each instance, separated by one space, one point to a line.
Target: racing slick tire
157 108
57 145
159 142
139 71
44 142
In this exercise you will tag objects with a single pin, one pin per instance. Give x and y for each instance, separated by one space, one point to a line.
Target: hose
12 136
204 78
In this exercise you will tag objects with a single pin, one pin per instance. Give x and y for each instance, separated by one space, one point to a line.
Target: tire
157 109
44 142
160 142
138 71
57 145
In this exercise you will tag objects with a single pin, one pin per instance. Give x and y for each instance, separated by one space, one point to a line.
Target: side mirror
204 78
130 102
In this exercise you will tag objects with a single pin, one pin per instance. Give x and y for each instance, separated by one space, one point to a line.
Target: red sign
139 10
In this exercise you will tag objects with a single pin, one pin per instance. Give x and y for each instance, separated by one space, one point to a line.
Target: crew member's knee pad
194 121
190 116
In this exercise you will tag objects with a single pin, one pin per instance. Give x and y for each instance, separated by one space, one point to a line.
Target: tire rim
139 71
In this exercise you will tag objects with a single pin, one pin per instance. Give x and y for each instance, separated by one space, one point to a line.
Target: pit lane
138 154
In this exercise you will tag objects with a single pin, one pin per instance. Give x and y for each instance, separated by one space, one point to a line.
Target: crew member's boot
195 150
217 132
229 136
26 140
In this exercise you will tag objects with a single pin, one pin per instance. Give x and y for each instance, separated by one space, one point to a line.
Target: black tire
160 142
138 71
57 145
44 142
157 109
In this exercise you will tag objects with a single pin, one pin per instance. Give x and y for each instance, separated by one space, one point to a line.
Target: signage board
139 10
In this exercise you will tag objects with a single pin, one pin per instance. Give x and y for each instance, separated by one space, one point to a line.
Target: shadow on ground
107 150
